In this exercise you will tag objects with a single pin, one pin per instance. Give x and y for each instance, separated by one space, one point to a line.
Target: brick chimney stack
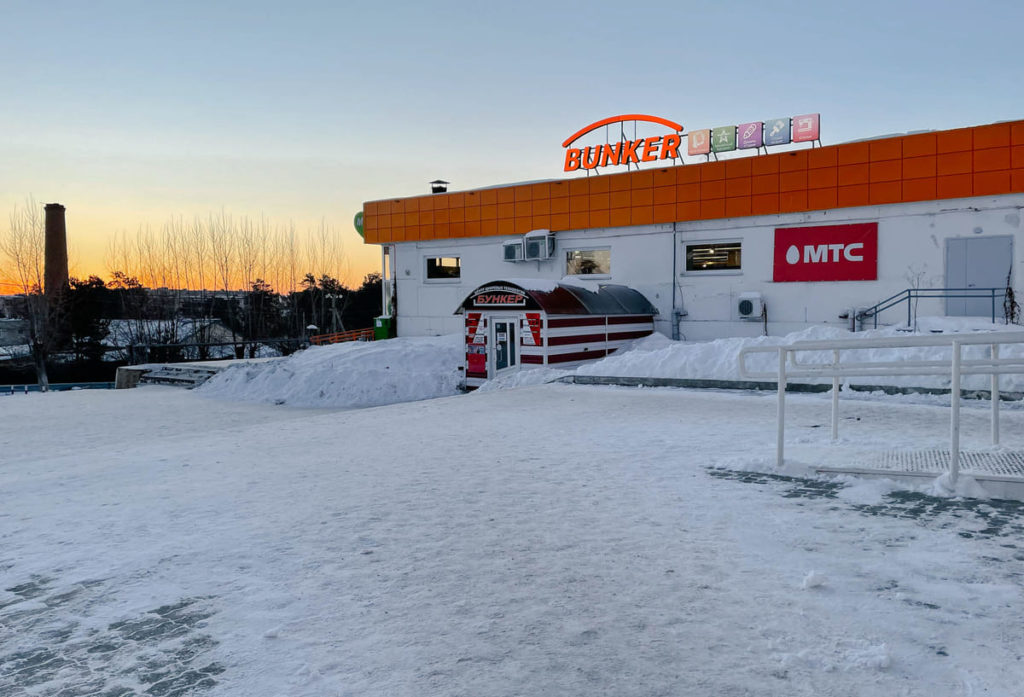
55 274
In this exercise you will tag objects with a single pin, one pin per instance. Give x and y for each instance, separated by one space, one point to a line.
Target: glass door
504 344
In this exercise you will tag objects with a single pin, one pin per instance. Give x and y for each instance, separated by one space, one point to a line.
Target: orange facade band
643 150
960 163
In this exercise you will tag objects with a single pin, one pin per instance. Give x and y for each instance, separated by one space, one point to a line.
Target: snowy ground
552 540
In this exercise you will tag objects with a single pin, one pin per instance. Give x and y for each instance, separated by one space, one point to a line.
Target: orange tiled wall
946 164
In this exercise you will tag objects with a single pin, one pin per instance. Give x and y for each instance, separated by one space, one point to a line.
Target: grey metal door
977 262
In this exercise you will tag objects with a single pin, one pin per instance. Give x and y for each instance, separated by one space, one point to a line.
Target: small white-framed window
588 262
718 256
447 268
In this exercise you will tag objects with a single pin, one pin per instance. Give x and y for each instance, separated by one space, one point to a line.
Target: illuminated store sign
499 296
625 151
746 136
753 135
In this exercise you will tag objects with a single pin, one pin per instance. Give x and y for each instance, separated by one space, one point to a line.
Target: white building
764 244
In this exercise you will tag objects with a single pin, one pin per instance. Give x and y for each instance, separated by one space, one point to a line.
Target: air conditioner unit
513 251
750 305
538 245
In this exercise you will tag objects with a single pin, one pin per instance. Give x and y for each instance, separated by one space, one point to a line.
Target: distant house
129 332
176 340
13 332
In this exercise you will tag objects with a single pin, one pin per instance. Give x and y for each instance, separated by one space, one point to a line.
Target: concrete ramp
183 375
186 375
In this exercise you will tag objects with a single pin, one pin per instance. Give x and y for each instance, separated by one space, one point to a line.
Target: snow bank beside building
365 374
658 357
354 374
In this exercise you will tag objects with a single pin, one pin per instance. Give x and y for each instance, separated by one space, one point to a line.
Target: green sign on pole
359 223
723 138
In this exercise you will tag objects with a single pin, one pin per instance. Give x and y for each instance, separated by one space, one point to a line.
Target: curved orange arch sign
626 151
615 119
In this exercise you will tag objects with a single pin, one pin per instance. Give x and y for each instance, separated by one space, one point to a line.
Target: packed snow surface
551 540
352 374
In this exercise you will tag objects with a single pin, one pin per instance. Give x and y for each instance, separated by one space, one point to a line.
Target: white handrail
789 366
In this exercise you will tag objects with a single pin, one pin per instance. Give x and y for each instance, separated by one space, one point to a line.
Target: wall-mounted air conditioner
538 245
512 251
750 305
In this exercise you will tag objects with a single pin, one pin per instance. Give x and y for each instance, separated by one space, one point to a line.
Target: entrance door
977 262
504 344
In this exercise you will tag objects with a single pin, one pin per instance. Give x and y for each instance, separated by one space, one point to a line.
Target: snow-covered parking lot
551 540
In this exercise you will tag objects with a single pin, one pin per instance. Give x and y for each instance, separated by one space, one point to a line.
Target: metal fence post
781 415
995 395
954 418
835 395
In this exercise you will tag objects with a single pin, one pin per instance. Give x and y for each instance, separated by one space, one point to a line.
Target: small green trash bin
383 328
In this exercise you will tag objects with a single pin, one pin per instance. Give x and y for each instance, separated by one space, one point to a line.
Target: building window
586 262
443 268
713 256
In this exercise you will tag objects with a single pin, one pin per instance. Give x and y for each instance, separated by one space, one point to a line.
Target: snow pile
524 378
965 485
362 374
813 579
866 492
353 374
659 357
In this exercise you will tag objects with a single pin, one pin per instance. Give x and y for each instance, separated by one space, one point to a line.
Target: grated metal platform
1000 463
1001 472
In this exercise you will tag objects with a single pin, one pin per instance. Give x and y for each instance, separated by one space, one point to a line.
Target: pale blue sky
129 112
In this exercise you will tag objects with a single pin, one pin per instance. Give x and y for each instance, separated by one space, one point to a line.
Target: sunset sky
129 113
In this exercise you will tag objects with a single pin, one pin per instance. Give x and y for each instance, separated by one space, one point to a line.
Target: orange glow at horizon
97 236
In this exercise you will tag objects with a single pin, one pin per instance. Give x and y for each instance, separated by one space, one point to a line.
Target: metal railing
338 337
911 294
55 387
204 351
789 366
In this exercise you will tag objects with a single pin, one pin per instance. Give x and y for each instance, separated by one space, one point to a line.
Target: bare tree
290 255
227 253
200 246
222 254
1011 308
24 247
221 234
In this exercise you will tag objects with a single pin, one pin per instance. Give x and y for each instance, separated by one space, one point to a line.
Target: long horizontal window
583 262
444 267
713 256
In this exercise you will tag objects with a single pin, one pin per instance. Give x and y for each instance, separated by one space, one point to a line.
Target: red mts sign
826 253
625 151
